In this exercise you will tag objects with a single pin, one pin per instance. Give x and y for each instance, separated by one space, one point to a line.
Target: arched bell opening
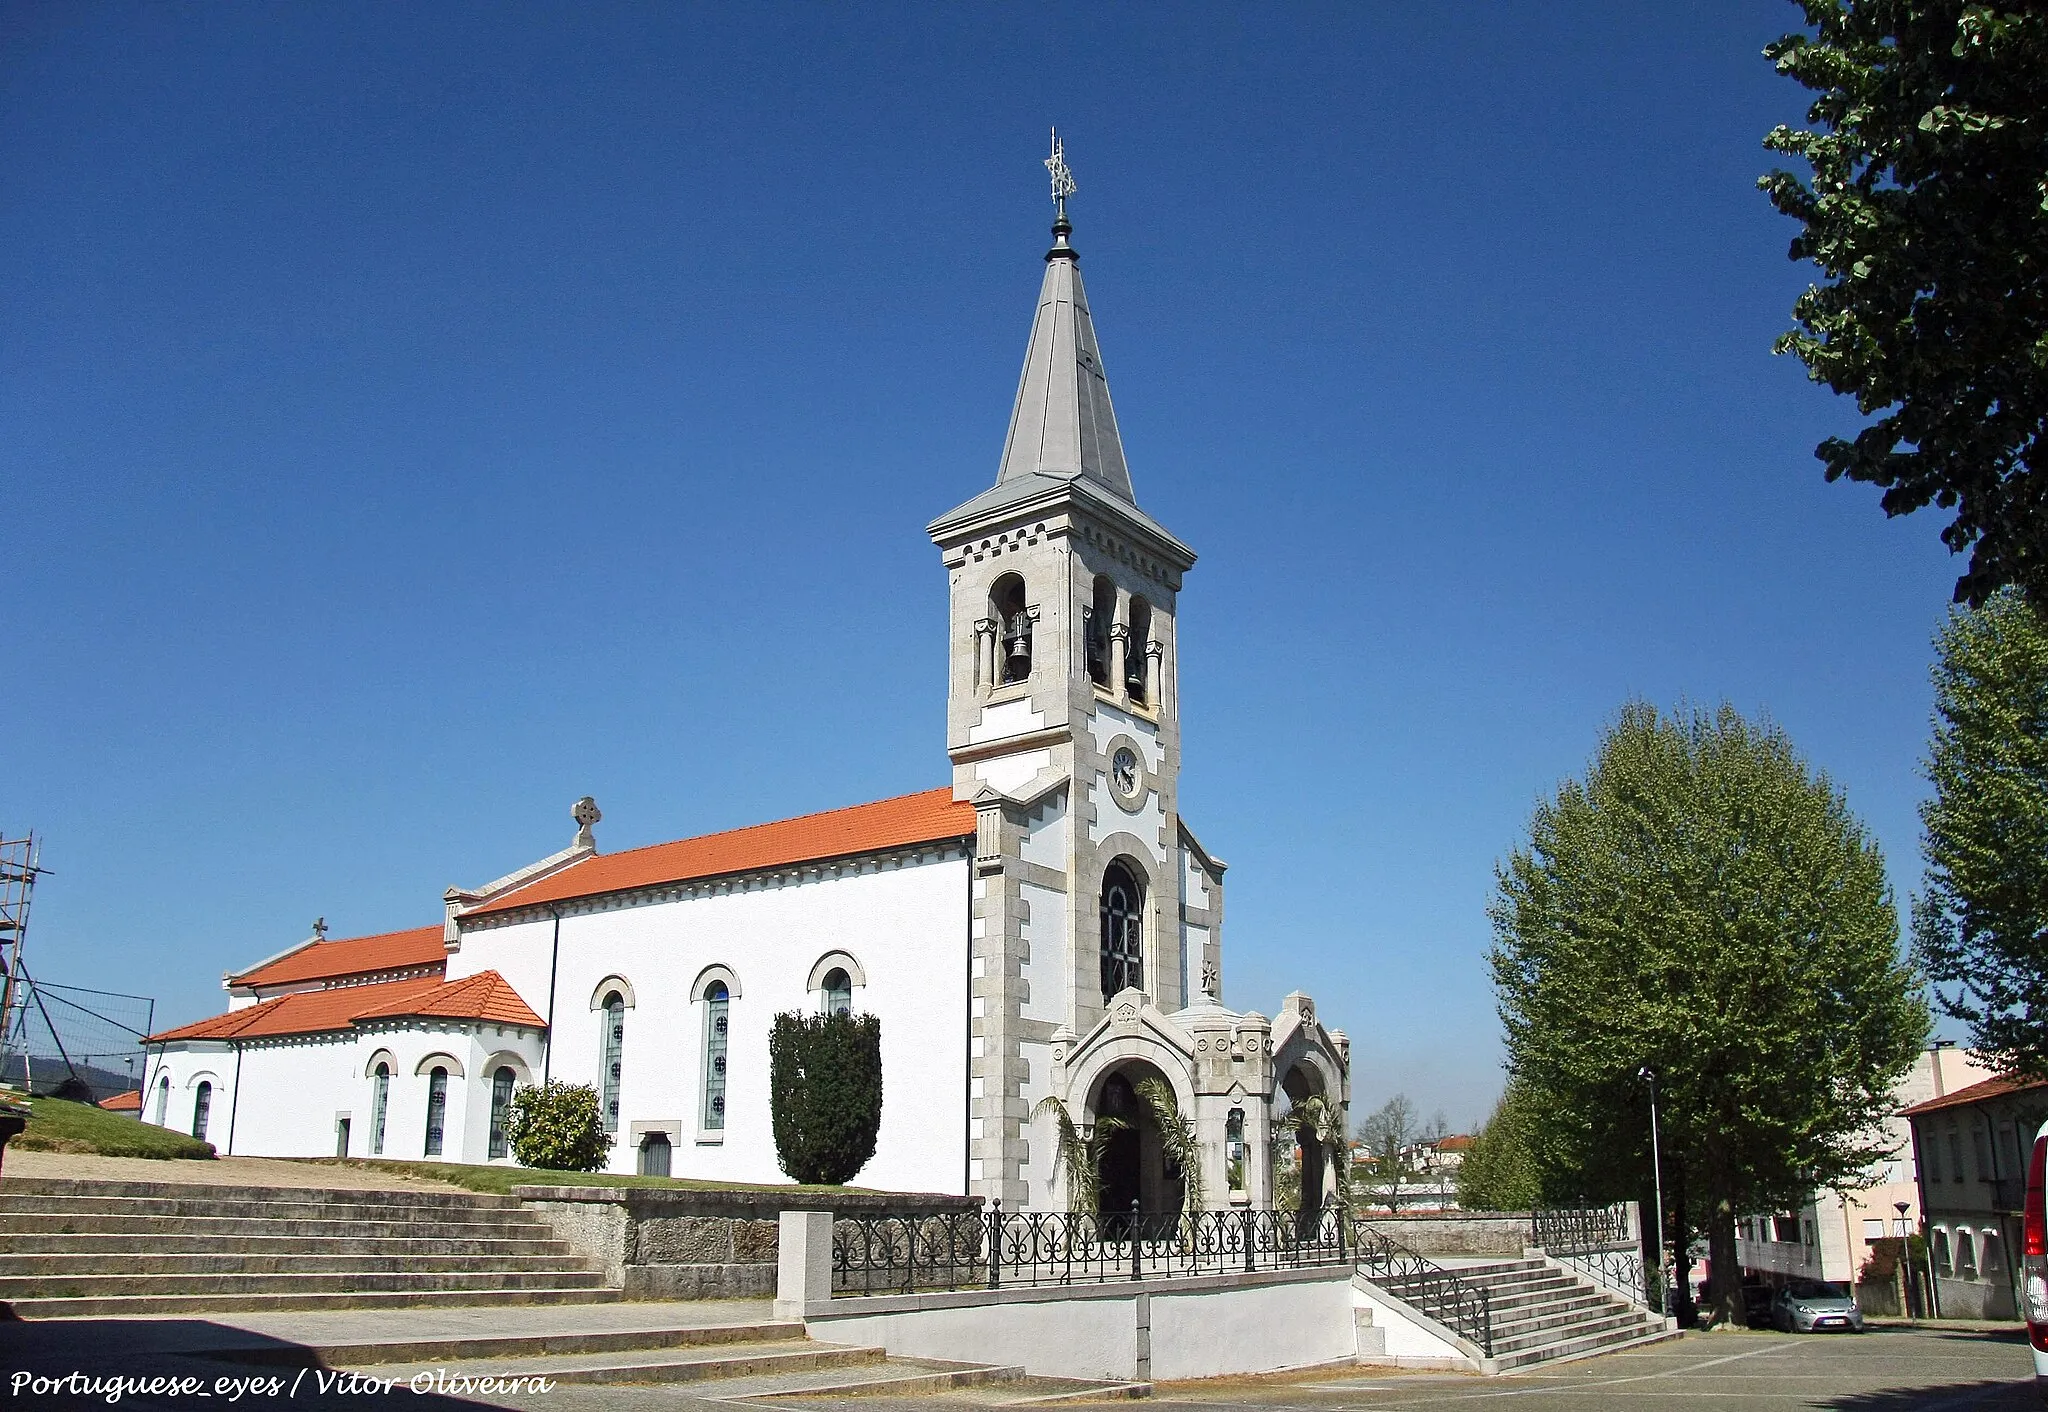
1135 684
1139 1179
1096 621
1013 629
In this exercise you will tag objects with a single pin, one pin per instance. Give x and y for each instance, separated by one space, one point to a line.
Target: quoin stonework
1044 924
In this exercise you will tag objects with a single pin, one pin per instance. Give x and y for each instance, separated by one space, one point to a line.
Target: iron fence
987 1250
1604 1244
1461 1304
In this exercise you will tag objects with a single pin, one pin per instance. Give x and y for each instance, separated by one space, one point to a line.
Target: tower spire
1062 425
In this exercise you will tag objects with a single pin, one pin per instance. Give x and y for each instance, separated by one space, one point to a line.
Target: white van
2034 1251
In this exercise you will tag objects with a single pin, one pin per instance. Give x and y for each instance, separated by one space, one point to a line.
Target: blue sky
415 417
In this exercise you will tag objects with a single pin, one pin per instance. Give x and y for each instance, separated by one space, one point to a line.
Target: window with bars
717 1022
614 1057
437 1109
202 1110
501 1109
380 1104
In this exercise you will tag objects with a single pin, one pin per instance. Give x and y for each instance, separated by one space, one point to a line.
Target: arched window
1134 654
1941 1265
654 1155
1989 1259
612 1063
1966 1256
202 1109
717 1020
437 1109
163 1099
1095 621
501 1109
1234 1150
838 992
1013 629
380 1104
1123 910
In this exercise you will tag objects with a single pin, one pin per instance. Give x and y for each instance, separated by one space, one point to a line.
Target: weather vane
1062 176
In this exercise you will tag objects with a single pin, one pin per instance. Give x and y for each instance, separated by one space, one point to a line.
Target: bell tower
1063 727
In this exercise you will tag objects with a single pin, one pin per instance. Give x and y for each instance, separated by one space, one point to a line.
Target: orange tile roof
352 956
130 1102
1976 1093
484 996
839 833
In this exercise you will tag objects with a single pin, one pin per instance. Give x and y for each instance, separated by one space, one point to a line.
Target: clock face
1123 768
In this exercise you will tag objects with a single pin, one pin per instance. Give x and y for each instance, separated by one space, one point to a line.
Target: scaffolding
59 1040
20 866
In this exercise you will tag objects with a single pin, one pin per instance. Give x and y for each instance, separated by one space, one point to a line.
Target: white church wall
907 926
1006 719
1044 970
1045 833
1110 721
1145 822
1038 1132
1010 773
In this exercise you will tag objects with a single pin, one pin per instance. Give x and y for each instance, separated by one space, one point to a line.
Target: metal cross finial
1062 176
320 928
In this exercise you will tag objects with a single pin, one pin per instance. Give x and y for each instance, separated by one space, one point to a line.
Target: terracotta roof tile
306 1012
130 1102
483 996
1976 1093
864 828
352 956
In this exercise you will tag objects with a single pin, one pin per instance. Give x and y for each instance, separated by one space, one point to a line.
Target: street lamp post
1905 1264
1648 1075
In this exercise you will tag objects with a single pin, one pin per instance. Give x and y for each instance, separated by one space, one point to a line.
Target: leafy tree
1386 1134
558 1126
1927 213
1981 926
1499 1172
1176 1139
825 1094
1703 905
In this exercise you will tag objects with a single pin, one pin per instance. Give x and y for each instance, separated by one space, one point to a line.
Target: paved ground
221 1171
1894 1370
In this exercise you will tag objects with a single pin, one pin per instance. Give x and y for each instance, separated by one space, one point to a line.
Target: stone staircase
333 1360
1542 1314
73 1247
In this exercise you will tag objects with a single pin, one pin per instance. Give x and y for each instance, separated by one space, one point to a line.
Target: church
1046 924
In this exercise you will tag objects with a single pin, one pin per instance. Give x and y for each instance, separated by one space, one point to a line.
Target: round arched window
838 990
1123 910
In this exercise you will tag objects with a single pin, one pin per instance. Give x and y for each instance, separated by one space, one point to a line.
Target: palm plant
1176 1140
1078 1158
1324 1122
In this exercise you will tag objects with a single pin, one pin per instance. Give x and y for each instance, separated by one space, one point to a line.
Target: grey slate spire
1062 424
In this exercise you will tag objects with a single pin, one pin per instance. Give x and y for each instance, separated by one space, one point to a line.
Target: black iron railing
1602 1243
987 1250
1460 1304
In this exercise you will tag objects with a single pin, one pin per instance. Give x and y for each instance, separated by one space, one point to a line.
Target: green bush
559 1127
825 1093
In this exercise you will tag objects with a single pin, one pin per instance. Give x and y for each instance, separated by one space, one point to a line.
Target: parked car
1756 1305
1808 1306
2034 1255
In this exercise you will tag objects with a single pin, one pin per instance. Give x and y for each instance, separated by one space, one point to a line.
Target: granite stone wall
674 1243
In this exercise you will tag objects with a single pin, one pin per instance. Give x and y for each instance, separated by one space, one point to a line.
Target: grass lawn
499 1181
57 1126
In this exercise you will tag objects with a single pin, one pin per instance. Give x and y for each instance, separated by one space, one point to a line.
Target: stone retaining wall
675 1243
1502 1233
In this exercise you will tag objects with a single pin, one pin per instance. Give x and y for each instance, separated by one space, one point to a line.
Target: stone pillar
803 1262
1155 650
1119 661
985 653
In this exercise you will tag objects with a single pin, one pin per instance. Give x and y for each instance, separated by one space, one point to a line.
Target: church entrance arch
1137 1175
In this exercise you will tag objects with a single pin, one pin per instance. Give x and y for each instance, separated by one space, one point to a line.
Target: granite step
340 1259
147 1240
123 1306
386 1281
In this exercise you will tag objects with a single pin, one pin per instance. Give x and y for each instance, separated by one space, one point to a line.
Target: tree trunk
1724 1275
